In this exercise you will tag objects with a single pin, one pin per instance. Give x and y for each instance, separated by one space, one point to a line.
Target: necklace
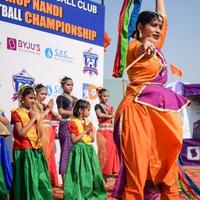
68 96
26 110
104 107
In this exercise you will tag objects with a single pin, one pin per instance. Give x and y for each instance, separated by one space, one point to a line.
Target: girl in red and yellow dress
31 177
83 179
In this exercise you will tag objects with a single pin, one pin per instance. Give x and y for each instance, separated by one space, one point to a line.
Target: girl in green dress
83 180
31 177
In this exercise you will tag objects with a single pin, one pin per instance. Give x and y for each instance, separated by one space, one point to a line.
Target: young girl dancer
83 178
64 105
31 176
49 131
6 172
107 150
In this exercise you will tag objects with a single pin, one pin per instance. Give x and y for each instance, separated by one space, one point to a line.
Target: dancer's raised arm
160 7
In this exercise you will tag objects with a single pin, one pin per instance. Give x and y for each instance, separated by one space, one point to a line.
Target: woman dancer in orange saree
151 133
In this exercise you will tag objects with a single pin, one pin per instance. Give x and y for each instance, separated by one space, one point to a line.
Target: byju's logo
58 54
193 153
22 45
12 44
90 62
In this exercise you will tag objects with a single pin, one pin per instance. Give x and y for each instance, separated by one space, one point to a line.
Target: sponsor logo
90 62
89 91
58 54
20 79
48 53
54 90
12 44
22 45
193 153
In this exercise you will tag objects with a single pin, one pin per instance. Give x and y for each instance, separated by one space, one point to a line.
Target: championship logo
90 62
20 79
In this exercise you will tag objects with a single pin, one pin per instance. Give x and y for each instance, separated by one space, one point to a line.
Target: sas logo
22 45
20 79
89 91
58 54
48 53
193 153
54 90
90 62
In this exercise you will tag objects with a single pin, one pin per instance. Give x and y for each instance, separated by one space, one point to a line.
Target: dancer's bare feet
105 178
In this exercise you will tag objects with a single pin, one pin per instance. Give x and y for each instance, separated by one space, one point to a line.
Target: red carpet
193 172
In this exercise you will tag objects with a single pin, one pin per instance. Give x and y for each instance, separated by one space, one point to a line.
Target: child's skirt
5 163
31 176
3 191
83 180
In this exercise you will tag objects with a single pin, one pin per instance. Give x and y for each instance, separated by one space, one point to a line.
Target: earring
21 100
140 34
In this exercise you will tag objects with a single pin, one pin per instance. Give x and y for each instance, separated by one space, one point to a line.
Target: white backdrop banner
40 41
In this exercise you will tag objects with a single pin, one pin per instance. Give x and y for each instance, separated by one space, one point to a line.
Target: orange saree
150 134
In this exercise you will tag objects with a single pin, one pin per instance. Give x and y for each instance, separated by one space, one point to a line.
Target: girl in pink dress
107 151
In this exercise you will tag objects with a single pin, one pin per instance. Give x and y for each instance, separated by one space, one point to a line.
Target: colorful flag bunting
106 40
175 70
124 26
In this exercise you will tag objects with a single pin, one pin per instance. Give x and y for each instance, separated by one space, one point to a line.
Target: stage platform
193 172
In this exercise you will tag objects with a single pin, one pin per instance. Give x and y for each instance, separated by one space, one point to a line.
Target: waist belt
65 119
